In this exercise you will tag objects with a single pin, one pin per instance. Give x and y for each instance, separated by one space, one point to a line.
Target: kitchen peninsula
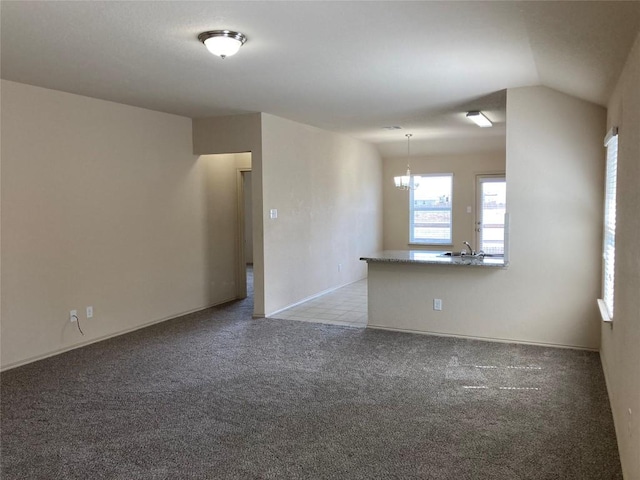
406 286
422 257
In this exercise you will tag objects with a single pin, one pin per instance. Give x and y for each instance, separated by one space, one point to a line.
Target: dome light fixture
222 43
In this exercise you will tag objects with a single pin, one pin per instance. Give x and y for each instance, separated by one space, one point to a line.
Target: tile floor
344 306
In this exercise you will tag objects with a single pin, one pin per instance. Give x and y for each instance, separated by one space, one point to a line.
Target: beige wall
248 218
620 350
464 169
105 205
555 162
326 188
227 134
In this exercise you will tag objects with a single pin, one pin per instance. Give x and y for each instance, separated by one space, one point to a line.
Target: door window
492 205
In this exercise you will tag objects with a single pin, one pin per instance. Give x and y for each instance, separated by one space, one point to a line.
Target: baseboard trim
484 339
106 337
316 295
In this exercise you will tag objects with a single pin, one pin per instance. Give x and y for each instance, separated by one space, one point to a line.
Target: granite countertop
424 257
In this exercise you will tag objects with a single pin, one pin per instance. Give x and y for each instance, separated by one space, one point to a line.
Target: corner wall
105 205
620 350
555 165
327 190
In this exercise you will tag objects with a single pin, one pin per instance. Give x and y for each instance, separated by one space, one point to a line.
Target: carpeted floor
217 395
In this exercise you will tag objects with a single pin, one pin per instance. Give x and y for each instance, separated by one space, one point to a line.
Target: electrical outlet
339 267
73 316
89 312
437 304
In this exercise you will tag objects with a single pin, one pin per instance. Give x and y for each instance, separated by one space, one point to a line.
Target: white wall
555 162
620 350
327 190
105 205
464 169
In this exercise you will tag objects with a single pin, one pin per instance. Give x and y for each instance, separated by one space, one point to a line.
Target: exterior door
491 207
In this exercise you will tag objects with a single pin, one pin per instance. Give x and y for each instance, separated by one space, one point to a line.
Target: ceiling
353 67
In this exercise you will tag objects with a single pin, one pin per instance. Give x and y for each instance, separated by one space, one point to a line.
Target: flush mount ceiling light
479 119
404 182
222 43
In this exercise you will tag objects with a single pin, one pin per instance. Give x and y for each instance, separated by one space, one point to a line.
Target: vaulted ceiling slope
352 67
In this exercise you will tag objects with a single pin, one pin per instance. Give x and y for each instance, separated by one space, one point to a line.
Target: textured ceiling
350 67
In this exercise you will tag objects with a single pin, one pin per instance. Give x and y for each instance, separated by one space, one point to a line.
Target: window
609 243
491 207
430 210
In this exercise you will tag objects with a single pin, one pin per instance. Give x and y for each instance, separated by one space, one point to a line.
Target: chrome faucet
471 252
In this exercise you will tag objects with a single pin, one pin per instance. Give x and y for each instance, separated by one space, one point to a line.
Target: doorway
491 205
245 233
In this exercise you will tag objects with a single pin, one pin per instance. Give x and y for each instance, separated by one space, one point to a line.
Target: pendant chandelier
404 182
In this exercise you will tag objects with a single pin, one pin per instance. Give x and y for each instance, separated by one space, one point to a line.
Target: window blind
609 243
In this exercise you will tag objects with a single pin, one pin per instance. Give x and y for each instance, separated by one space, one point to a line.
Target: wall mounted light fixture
479 119
222 43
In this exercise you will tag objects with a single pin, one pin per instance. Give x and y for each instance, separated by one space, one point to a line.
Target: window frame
606 303
437 242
